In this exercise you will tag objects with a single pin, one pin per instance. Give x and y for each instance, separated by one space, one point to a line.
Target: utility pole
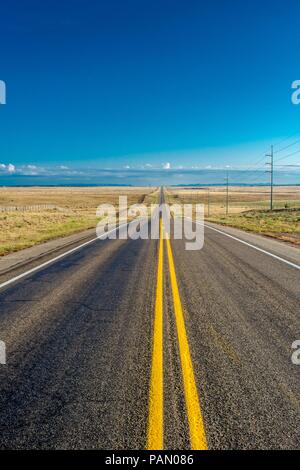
208 202
227 192
271 171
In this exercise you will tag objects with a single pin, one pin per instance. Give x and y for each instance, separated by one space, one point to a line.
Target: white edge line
52 260
249 244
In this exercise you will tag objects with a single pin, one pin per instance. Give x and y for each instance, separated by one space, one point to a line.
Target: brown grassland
248 208
31 215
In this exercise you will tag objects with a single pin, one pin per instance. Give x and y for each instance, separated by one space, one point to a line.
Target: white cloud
63 167
167 166
11 168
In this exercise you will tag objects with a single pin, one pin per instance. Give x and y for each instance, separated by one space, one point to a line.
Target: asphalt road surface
134 344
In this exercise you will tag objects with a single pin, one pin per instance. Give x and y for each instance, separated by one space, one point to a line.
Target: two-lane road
90 336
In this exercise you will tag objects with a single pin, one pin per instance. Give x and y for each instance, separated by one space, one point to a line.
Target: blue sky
138 86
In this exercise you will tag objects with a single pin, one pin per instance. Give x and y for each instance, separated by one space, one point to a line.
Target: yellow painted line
155 424
196 425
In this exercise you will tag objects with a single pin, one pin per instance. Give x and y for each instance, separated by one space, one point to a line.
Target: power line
271 171
286 138
296 165
281 158
256 169
287 156
257 163
263 159
208 202
260 171
227 192
260 175
287 146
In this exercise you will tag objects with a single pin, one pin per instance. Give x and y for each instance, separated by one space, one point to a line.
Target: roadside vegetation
29 216
248 208
283 224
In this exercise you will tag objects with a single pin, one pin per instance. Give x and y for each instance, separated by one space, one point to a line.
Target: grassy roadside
247 209
21 230
72 210
283 224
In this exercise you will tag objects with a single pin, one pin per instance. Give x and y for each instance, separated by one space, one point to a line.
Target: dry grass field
240 198
31 215
248 208
36 214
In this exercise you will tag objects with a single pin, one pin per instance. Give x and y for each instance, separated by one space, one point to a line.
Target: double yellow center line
156 401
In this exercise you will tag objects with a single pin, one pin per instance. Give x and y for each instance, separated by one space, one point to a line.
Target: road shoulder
275 247
19 258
